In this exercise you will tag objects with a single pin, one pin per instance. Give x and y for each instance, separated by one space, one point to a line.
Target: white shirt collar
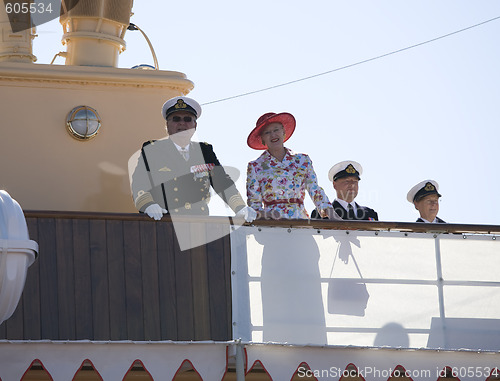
345 203
433 222
179 148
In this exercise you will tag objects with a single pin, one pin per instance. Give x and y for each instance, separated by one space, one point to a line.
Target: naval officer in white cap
425 196
174 175
345 177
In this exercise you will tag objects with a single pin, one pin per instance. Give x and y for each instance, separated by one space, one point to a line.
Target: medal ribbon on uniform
201 170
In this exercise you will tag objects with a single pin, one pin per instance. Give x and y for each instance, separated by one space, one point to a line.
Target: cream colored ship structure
108 294
82 170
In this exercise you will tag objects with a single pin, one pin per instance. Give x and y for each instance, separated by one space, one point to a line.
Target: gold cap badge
429 187
350 169
180 104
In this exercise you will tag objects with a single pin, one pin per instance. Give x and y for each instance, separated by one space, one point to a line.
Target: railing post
240 361
439 274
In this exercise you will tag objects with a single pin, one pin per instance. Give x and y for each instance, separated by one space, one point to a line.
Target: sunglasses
186 119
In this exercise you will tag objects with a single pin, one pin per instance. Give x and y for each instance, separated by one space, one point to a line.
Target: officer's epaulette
205 146
148 143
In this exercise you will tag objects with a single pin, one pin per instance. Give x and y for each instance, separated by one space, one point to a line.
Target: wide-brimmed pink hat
286 119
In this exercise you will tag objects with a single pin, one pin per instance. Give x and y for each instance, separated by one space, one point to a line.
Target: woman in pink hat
278 179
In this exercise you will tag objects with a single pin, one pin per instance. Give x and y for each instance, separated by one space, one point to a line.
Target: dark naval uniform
164 177
362 213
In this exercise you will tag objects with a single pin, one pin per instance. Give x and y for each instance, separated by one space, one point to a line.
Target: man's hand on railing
155 211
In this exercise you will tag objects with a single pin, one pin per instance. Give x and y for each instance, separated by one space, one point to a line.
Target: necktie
350 212
185 153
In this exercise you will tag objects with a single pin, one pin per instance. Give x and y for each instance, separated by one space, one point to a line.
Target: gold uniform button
202 208
176 210
175 189
187 205
176 200
175 178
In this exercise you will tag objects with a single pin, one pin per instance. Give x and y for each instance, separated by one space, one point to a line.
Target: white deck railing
366 288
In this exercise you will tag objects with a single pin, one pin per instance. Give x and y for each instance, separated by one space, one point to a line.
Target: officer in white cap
174 174
345 177
425 196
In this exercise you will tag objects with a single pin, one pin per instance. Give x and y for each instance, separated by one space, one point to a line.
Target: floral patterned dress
278 188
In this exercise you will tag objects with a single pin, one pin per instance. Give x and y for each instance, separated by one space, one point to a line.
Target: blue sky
427 112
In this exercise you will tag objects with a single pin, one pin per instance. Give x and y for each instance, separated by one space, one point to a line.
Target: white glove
247 213
155 211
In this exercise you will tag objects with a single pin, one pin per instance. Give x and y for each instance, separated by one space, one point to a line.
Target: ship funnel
94 30
16 34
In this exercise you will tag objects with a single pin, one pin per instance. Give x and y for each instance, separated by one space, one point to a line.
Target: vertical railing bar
439 271
240 361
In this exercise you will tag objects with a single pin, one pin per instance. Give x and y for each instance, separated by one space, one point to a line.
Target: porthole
83 123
